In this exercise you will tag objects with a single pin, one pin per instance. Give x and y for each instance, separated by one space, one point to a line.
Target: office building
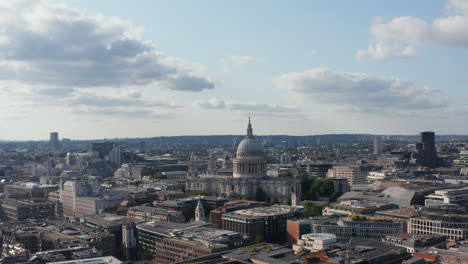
378 146
416 243
357 207
148 213
448 196
314 242
216 214
196 243
360 227
262 223
450 220
318 171
23 209
149 233
355 174
83 197
462 161
298 227
426 152
54 139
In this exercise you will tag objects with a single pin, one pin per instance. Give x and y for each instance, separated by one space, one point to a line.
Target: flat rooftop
264 211
169 229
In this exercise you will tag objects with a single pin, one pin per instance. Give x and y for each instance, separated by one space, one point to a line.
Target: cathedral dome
249 146
250 160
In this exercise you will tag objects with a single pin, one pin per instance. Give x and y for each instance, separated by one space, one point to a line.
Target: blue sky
202 67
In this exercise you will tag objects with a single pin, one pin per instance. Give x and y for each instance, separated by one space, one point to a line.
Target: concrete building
318 171
355 174
416 243
83 197
448 196
148 213
357 207
298 227
378 146
187 205
196 243
216 214
149 233
374 176
441 219
462 161
20 210
314 242
360 227
262 223
340 185
54 139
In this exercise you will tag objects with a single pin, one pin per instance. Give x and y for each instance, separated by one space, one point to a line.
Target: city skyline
90 69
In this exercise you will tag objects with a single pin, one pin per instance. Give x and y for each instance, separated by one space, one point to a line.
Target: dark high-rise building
429 153
426 152
101 148
54 139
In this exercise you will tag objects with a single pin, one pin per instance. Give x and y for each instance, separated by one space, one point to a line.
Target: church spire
249 130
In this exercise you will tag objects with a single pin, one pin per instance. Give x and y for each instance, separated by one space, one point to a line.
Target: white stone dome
249 147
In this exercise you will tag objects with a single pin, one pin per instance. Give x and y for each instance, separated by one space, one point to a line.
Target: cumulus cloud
241 60
215 103
53 44
399 36
125 104
380 51
360 92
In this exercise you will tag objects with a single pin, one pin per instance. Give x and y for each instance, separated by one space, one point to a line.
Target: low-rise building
155 214
314 242
197 243
22 209
361 207
298 227
416 243
448 196
262 223
360 227
149 233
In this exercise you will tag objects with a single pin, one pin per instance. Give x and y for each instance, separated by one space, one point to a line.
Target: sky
115 69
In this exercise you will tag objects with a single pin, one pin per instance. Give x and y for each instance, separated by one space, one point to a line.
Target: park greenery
313 189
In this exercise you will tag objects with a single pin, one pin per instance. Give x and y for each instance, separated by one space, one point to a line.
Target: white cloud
241 60
400 36
55 45
457 6
359 91
380 51
215 103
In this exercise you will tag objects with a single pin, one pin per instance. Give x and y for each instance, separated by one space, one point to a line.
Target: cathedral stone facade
242 176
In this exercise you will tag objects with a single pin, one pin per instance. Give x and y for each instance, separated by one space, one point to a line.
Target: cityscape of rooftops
235 132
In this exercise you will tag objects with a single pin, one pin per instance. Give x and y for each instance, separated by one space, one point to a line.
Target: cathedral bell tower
199 211
192 170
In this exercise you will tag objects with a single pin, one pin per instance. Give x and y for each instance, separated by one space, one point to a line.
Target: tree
287 174
260 195
313 209
247 197
144 254
275 201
